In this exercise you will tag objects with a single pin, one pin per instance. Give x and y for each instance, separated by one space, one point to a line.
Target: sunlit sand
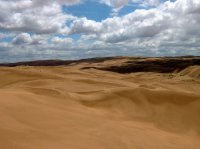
70 107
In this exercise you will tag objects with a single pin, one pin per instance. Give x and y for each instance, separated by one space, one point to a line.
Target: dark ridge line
133 64
163 65
58 62
88 60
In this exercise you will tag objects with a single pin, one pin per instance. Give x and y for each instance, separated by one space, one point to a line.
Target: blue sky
93 10
75 29
90 9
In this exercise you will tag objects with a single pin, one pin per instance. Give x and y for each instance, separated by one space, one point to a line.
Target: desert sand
67 107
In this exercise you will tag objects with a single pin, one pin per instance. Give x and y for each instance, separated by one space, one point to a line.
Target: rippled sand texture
68 107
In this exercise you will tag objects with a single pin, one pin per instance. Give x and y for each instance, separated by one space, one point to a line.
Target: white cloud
144 23
25 38
83 25
22 38
147 3
115 3
169 28
41 17
118 4
59 40
68 2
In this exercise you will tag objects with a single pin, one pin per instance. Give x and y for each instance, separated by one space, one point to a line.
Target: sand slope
66 107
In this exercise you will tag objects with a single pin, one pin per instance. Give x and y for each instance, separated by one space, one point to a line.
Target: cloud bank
42 30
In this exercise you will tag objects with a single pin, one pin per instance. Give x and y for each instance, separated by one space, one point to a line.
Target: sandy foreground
65 107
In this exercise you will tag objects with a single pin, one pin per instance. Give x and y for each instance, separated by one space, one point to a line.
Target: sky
78 29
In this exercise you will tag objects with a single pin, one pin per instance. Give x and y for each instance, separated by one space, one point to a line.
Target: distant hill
130 64
57 62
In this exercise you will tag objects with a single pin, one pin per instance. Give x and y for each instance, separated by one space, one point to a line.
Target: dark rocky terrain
131 64
164 65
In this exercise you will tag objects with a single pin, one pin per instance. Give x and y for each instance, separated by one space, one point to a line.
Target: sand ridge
69 107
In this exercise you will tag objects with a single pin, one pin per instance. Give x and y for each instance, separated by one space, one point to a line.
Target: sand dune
70 107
